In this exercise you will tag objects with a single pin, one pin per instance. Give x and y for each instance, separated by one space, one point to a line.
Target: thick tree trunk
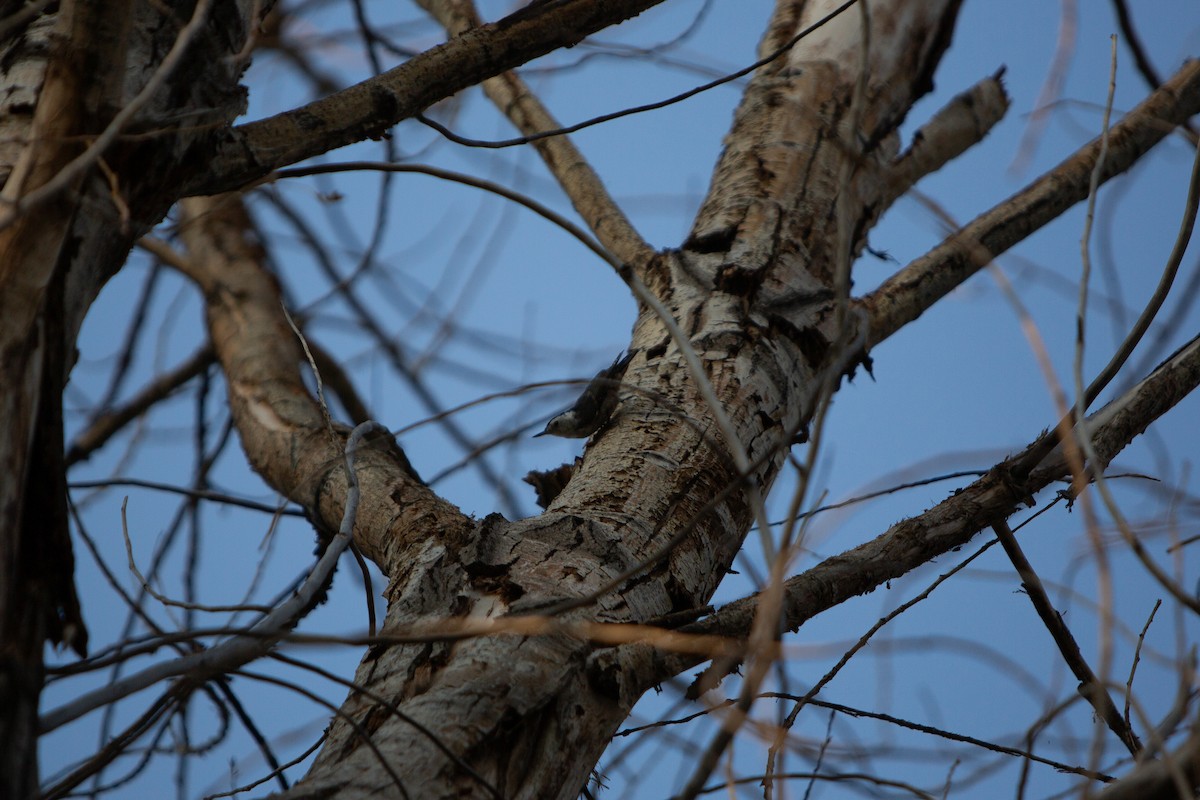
66 76
37 595
754 291
740 333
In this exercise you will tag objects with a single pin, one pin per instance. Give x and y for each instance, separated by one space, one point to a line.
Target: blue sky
522 302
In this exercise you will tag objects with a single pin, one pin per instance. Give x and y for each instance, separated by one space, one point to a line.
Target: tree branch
1170 778
955 128
283 430
1090 687
914 289
368 109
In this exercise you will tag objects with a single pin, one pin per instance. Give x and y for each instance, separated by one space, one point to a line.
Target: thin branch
832 777
391 707
954 737
1094 691
260 638
109 423
1090 687
626 112
575 175
217 497
1134 43
1056 76
260 741
148 589
162 708
275 773
1137 657
360 731
467 180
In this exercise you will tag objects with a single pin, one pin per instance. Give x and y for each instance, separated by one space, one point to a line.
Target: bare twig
261 636
1137 657
109 423
576 177
1090 686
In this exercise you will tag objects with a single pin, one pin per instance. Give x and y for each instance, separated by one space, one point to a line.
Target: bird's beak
536 435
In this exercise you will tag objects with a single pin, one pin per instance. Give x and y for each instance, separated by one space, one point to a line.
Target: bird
594 406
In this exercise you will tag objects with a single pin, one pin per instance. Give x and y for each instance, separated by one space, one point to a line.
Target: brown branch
111 422
368 109
914 289
1161 779
955 128
1090 687
281 425
543 211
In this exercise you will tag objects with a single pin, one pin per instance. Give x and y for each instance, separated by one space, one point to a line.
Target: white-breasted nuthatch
594 406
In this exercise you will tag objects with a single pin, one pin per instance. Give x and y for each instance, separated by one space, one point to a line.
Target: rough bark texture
65 75
758 291
809 165
749 290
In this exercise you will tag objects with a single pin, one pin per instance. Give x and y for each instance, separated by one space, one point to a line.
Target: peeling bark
65 75
749 287
650 519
